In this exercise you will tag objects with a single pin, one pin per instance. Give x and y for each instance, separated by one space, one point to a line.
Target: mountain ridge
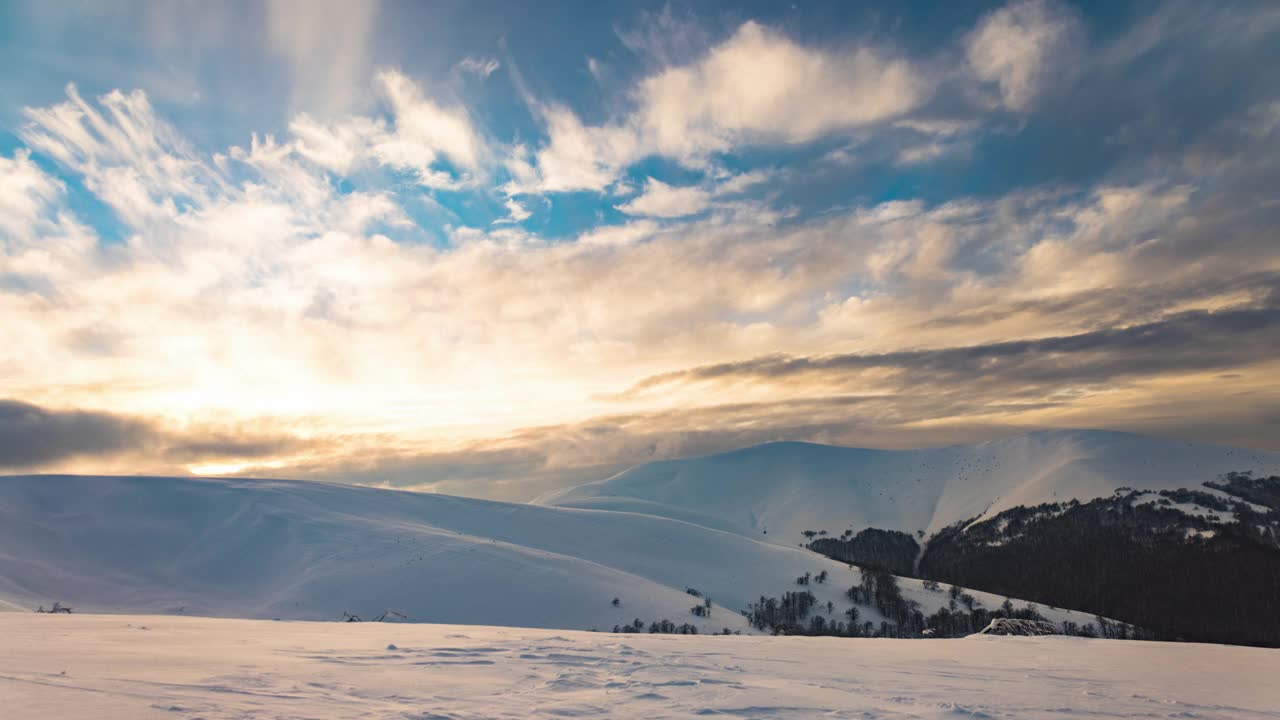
314 551
784 488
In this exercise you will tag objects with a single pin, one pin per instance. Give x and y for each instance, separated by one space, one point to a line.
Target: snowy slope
114 667
302 550
786 488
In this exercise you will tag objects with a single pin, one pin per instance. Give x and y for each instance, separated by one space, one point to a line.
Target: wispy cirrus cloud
482 66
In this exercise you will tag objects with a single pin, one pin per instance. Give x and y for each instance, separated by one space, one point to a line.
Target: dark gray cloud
34 437
221 445
1189 341
31 436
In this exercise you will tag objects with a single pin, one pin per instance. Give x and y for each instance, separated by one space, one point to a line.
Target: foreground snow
117 666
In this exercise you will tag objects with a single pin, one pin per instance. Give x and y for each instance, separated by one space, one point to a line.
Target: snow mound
777 491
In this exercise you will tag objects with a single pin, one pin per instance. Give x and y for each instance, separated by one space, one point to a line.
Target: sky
495 248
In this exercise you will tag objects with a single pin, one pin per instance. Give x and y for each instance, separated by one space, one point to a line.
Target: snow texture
129 668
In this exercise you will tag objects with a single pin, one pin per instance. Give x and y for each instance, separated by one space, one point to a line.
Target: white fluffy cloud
336 147
1022 47
759 86
665 201
756 87
516 212
577 156
425 129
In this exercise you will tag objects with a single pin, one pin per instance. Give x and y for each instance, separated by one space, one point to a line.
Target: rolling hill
306 550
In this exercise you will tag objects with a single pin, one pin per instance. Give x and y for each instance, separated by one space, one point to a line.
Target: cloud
516 212
336 147
435 142
326 44
1185 342
425 129
921 140
132 160
482 66
32 436
1192 28
736 184
662 200
620 235
535 460
26 192
145 171
276 282
576 157
596 68
459 347
664 39
757 87
213 445
1022 47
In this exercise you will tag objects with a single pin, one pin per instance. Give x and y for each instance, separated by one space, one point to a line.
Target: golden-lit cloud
305 304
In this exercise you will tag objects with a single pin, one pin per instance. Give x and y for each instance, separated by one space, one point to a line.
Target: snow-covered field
129 667
787 488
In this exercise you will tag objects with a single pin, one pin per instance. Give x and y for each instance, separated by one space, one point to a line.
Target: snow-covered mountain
305 550
777 491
